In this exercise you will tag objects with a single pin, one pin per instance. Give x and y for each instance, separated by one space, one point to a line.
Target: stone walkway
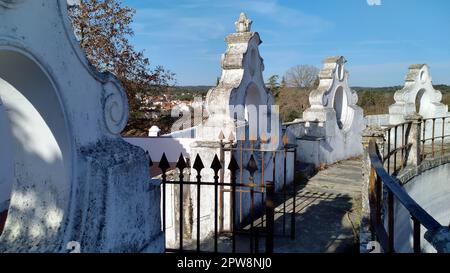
328 210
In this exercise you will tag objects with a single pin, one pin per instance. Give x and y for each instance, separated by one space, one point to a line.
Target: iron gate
256 230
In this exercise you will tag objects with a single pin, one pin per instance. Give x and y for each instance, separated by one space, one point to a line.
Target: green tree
273 84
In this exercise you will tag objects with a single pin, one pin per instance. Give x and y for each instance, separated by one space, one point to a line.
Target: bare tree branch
301 76
103 28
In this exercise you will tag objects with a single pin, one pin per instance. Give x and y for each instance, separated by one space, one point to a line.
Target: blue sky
379 41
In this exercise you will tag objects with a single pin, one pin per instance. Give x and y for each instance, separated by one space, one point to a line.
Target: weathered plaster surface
84 184
418 82
428 186
417 95
334 123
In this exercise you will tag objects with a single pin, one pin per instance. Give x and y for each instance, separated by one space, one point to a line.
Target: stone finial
243 24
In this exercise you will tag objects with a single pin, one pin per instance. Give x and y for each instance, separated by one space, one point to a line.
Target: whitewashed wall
6 166
156 146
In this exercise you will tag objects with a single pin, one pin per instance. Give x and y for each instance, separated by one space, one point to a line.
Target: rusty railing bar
443 117
403 144
395 148
270 215
432 135
427 139
400 194
284 191
389 151
443 136
423 138
294 194
391 222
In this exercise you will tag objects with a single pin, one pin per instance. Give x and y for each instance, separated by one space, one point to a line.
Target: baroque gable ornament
419 89
332 77
334 122
242 68
66 156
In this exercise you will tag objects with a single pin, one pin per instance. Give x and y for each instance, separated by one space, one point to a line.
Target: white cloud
192 32
374 2
202 21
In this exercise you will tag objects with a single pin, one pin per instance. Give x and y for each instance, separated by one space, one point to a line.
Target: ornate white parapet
239 106
419 90
73 178
240 94
334 122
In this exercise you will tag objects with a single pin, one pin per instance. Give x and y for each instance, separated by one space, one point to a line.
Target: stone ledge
410 172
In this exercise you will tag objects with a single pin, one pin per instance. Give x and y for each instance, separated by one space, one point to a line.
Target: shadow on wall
38 159
156 146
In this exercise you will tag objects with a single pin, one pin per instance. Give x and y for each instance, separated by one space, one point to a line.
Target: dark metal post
216 166
395 149
379 197
252 167
284 188
270 212
222 177
423 139
233 167
389 151
443 136
432 136
181 165
294 195
416 236
402 158
164 166
391 222
198 166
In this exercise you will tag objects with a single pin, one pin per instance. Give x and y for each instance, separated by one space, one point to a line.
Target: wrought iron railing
437 138
379 177
258 224
397 147
385 189
286 152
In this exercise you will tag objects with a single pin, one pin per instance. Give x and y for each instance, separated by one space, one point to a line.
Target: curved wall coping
412 171
439 239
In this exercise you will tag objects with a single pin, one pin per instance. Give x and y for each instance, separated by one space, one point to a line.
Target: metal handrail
436 118
379 177
400 193
437 134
